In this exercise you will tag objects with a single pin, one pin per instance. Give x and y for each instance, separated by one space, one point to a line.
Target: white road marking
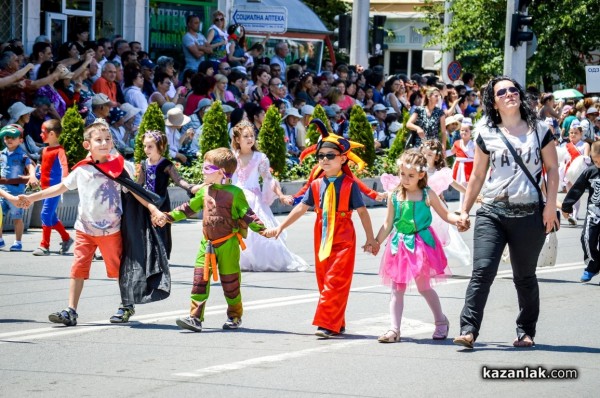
410 327
46 332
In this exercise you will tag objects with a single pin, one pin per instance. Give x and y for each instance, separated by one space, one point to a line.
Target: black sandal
465 340
122 315
523 341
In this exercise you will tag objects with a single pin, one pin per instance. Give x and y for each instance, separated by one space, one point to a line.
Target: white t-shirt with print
507 183
99 210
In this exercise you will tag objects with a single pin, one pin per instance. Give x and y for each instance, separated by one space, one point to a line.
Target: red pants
110 247
334 275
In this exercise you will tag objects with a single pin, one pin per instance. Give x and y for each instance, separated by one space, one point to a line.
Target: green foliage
567 34
271 141
300 171
71 137
312 133
192 174
153 119
360 131
214 130
401 136
327 10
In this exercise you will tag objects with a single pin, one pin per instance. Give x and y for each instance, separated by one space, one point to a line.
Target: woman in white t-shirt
510 213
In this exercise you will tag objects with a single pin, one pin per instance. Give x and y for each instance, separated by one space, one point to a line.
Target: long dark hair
489 98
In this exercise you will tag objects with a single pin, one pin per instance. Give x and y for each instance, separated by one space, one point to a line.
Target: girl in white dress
576 161
261 254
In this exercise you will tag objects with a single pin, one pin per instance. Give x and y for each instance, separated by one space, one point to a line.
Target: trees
153 119
567 33
401 136
312 132
327 10
214 130
271 140
71 137
360 131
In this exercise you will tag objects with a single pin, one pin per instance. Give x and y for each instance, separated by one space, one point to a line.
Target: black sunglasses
329 156
219 19
504 91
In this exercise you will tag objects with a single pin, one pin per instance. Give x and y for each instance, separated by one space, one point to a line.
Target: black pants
525 237
589 241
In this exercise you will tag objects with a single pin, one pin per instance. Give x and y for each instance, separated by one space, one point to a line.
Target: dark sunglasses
329 156
504 91
219 19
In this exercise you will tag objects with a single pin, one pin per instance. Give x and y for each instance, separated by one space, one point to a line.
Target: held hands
263 232
159 219
371 246
381 196
272 232
287 199
463 223
22 201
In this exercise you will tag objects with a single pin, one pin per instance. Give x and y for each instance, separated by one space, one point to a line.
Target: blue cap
116 114
371 119
329 111
147 63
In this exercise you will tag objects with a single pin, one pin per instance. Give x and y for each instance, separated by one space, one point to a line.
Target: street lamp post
448 55
515 57
359 41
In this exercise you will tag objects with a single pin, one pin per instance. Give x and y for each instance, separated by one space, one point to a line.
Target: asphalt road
275 353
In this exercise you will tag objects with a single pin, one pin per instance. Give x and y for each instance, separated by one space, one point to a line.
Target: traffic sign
592 78
261 19
454 70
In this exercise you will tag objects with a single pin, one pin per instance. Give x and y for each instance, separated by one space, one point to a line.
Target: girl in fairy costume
413 253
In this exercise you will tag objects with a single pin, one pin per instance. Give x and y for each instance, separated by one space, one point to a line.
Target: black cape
144 275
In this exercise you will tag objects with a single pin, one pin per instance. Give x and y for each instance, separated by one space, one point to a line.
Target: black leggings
589 241
525 237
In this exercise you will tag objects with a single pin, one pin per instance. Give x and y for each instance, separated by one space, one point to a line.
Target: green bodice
411 219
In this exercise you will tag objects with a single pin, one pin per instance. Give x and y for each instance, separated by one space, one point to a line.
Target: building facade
405 50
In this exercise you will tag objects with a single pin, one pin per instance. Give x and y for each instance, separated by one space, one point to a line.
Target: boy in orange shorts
99 214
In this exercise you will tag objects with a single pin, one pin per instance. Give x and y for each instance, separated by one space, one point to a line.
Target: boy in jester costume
334 196
226 218
317 171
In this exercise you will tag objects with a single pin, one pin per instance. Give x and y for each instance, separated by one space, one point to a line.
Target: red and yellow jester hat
345 146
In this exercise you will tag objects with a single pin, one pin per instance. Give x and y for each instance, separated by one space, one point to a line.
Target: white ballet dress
263 254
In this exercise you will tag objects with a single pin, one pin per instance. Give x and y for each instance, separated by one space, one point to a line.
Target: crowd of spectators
115 79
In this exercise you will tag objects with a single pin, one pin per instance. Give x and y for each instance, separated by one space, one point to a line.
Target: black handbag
411 140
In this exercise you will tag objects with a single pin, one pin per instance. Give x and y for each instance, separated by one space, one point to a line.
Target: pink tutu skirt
404 266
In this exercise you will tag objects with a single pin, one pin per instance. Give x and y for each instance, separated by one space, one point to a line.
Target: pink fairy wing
389 181
440 180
